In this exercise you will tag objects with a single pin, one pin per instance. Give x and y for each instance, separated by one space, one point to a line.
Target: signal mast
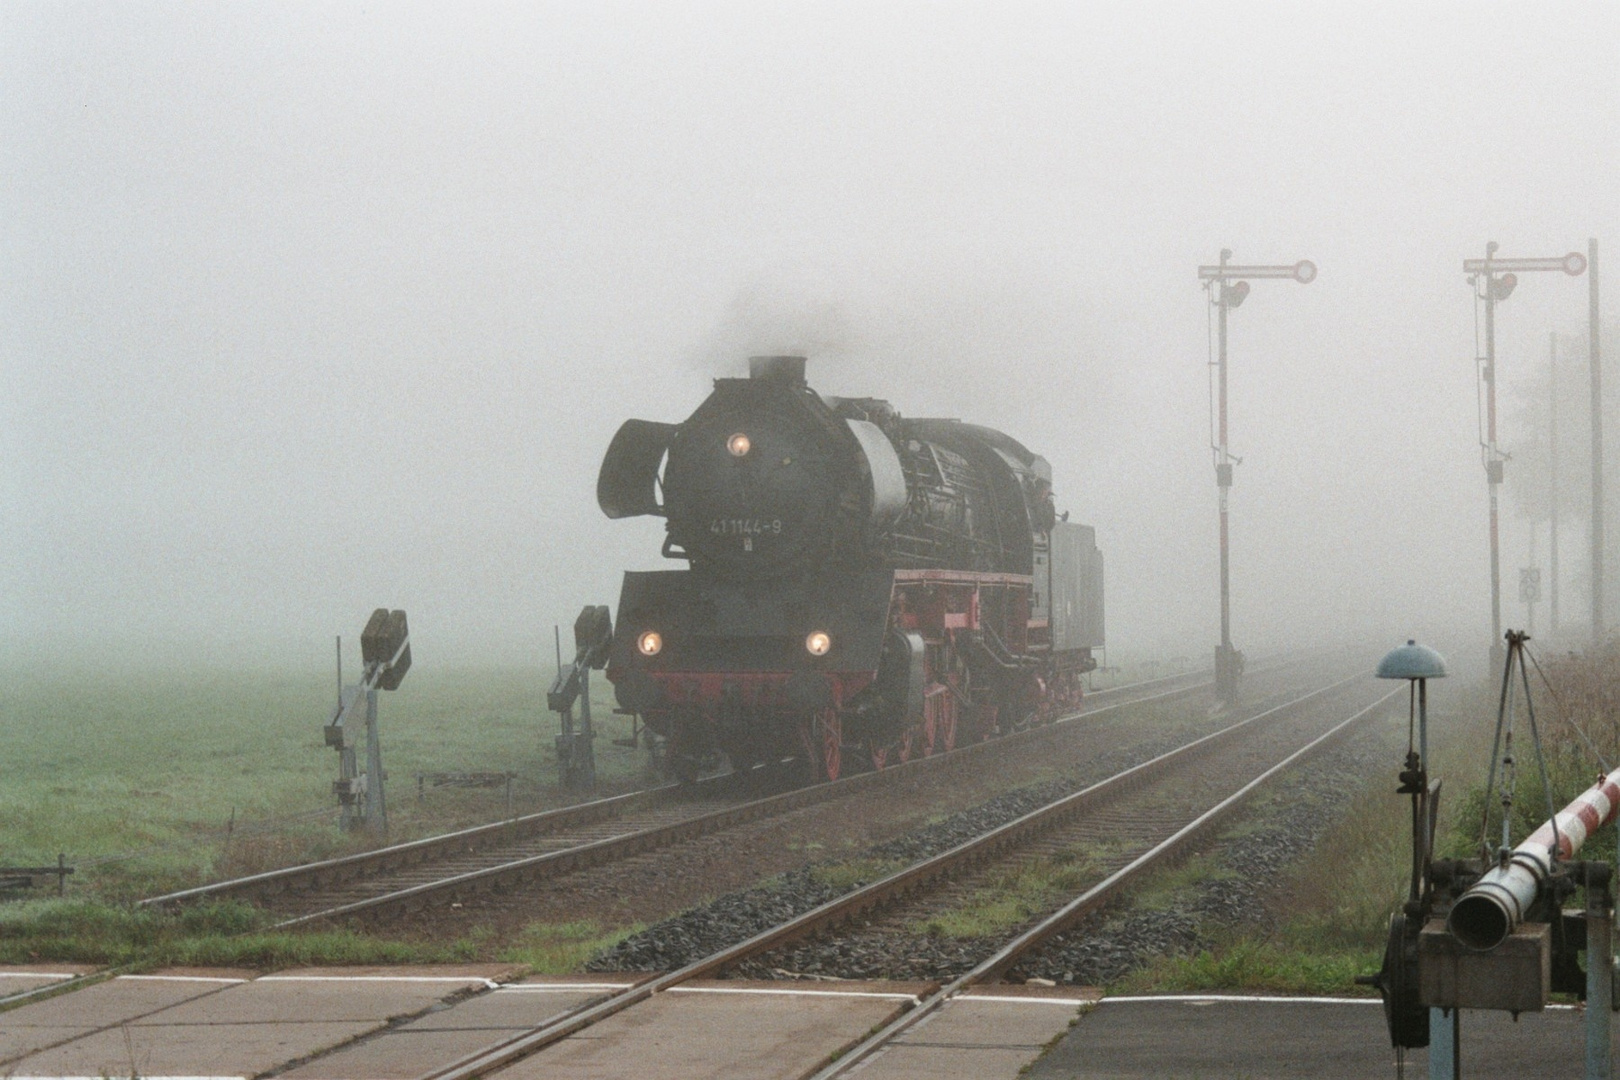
1228 286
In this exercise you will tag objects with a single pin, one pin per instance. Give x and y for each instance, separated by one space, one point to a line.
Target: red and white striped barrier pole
1486 914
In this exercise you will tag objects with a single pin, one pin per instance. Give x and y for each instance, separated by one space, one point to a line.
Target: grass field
160 762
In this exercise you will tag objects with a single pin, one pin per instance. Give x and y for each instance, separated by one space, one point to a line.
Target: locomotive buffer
385 653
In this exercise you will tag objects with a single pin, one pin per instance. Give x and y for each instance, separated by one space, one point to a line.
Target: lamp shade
1412 661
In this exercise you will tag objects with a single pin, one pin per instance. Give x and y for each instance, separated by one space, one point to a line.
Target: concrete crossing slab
18 1042
726 1030
519 1005
445 1035
328 996
398 1055
153 1052
948 1063
988 1034
1271 1038
192 1024
121 1000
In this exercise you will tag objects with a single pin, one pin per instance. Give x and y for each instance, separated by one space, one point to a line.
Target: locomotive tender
862 588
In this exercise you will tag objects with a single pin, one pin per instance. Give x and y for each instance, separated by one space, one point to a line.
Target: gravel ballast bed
738 916
1250 868
1101 951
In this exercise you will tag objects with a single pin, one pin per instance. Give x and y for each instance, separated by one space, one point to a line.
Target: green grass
1173 883
857 872
218 934
1251 966
233 934
1013 899
162 760
559 948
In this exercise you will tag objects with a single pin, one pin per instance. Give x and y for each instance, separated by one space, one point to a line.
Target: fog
306 309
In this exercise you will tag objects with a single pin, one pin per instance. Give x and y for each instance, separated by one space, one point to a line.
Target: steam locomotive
861 588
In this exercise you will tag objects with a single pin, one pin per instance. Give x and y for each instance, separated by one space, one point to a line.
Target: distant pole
1531 588
1493 459
1595 362
1224 677
1552 486
1494 280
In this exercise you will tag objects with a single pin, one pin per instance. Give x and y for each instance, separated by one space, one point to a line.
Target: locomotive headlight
650 643
739 445
818 643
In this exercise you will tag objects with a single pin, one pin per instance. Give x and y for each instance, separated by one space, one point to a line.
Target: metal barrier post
585 739
1599 973
376 807
1445 1063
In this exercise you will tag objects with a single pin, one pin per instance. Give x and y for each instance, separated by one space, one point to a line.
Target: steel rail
1087 902
849 905
617 847
411 852
330 872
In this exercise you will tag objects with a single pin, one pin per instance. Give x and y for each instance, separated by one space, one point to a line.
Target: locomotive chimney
781 368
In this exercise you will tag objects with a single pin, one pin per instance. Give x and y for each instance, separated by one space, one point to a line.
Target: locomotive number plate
746 527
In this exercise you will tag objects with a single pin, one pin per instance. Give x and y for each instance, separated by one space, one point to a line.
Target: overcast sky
306 309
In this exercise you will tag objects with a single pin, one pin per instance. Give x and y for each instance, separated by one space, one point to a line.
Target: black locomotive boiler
861 588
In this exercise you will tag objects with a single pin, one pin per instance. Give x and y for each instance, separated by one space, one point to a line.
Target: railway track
522 850
1296 724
